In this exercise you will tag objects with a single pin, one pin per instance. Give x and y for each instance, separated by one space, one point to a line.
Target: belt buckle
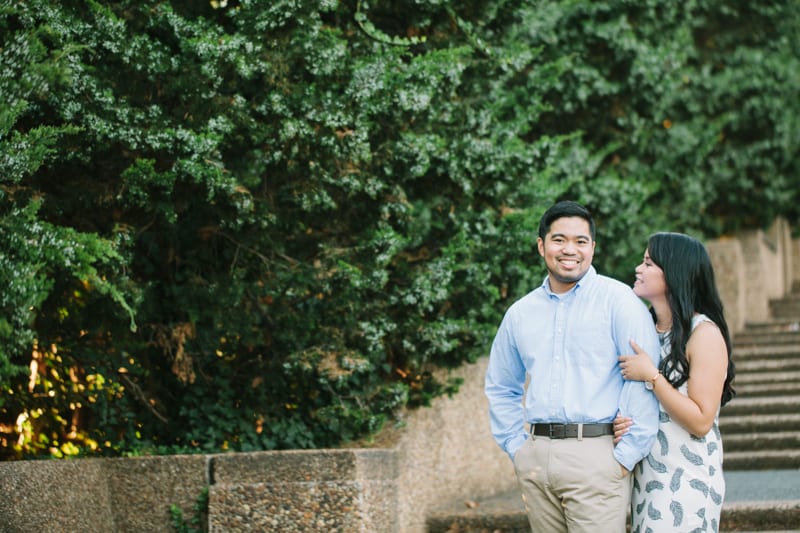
561 432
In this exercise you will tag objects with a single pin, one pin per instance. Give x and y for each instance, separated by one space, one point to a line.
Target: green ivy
198 523
256 225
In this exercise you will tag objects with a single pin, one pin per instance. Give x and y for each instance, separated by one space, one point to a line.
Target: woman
679 485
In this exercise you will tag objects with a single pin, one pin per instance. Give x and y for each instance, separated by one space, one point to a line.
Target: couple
622 414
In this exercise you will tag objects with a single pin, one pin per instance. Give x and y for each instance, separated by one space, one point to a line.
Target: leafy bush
248 225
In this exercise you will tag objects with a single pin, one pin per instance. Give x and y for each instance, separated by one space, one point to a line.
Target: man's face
567 249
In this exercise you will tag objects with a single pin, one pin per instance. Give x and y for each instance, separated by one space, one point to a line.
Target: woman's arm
708 366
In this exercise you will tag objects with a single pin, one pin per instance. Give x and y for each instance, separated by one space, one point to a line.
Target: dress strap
699 319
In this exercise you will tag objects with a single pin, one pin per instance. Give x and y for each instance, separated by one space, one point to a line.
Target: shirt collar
585 281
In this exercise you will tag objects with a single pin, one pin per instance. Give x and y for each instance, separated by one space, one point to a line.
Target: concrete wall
447 454
795 265
753 268
728 260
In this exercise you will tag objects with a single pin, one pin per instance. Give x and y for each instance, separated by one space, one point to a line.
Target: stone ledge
304 465
357 506
120 494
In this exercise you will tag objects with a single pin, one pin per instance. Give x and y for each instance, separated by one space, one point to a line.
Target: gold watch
651 383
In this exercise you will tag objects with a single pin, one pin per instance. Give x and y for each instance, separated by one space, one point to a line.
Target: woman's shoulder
704 330
705 340
699 318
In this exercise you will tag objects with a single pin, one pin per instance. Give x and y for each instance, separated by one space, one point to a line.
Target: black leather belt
570 431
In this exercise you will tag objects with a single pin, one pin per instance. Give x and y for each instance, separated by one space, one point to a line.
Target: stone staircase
761 426
761 439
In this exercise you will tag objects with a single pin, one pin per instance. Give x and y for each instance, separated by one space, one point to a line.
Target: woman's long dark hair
691 289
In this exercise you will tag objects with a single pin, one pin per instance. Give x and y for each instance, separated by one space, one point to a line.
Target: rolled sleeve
504 388
635 400
641 405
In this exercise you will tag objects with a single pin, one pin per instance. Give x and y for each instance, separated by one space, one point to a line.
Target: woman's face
650 283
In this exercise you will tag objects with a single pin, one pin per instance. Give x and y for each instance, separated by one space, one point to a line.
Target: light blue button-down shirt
569 344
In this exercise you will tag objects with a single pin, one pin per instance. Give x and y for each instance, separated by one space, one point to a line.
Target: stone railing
443 454
753 268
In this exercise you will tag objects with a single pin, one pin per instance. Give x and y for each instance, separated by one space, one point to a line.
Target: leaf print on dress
691 456
712 447
662 440
677 513
653 513
655 465
702 486
675 484
702 529
653 485
715 497
702 514
641 506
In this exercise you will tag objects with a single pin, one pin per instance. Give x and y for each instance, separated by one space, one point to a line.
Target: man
565 337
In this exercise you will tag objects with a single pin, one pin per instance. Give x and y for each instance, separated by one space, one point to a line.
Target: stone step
789 300
783 377
785 308
481 519
767 388
758 424
757 441
729 425
505 513
766 338
767 364
766 351
772 326
762 459
762 405
793 296
756 517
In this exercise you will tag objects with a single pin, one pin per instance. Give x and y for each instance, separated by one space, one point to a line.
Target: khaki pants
571 485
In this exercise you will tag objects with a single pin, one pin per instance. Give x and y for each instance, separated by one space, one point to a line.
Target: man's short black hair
563 209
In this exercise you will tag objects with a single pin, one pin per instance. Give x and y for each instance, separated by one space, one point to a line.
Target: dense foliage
257 225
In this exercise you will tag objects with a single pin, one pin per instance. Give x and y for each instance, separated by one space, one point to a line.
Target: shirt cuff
514 444
624 458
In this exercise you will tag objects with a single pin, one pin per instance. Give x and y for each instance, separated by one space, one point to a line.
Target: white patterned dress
679 486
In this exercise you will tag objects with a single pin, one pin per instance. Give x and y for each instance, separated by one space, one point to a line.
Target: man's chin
568 279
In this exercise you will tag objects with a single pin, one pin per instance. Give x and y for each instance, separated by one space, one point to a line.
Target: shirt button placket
557 374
